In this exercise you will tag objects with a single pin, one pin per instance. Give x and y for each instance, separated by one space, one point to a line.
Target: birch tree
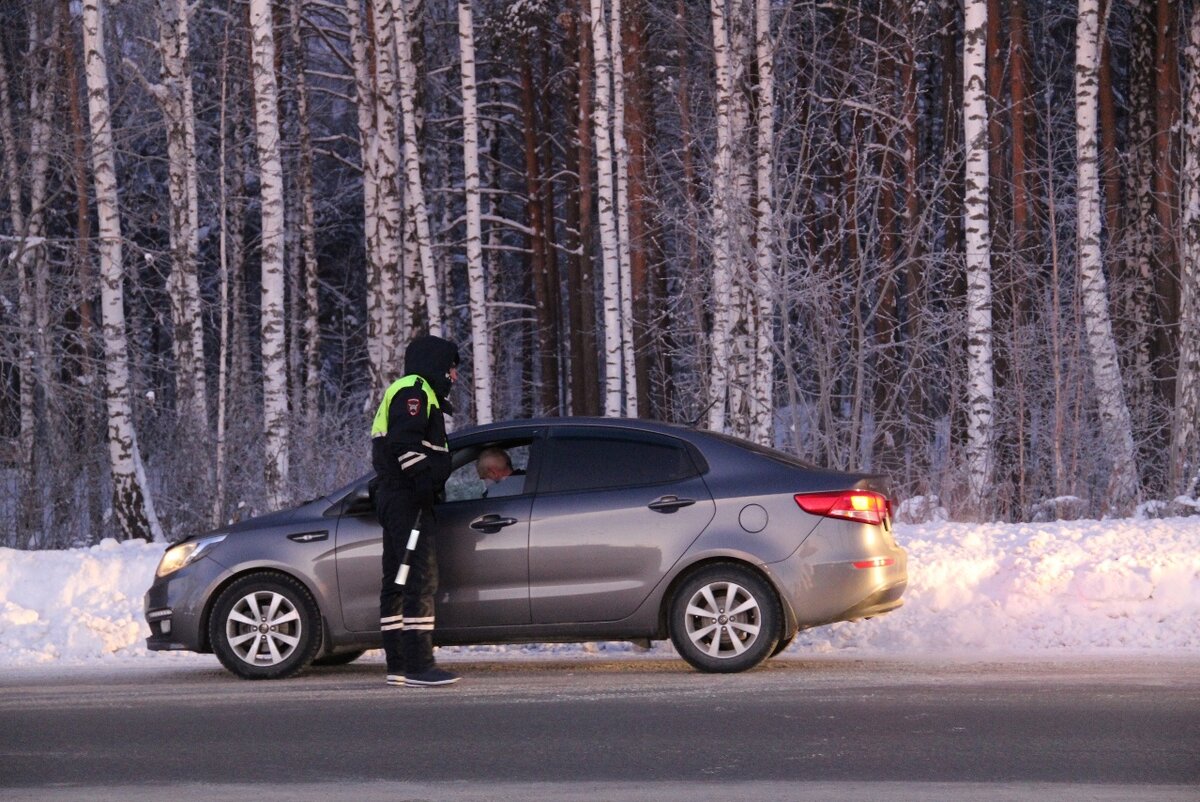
414 185
722 284
308 227
761 406
481 353
1110 398
382 193
979 381
133 507
1185 439
621 156
175 96
609 235
274 344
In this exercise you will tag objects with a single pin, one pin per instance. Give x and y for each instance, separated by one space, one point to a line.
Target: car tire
285 638
339 658
704 632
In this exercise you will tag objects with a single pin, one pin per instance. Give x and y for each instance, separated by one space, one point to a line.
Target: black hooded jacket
408 436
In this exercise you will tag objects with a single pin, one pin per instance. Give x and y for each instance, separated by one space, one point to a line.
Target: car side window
596 462
465 482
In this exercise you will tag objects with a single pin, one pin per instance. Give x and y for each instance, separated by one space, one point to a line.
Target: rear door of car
615 509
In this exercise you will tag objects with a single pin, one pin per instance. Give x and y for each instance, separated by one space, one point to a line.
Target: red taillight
877 562
865 506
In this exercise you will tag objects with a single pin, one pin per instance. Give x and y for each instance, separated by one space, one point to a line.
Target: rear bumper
823 584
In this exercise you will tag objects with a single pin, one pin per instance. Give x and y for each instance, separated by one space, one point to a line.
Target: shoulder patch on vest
414 406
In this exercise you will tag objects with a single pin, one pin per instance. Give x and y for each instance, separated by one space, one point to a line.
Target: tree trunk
481 354
762 408
1114 415
546 393
1185 438
133 507
980 387
621 158
585 398
382 201
175 97
610 244
406 70
722 190
25 321
223 297
638 124
308 230
274 345
1166 191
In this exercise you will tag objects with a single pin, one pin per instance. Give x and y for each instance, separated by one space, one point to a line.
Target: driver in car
495 468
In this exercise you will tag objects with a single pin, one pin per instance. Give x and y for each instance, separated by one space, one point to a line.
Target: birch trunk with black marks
610 243
274 340
1110 397
979 383
621 158
481 353
133 508
761 423
308 229
1185 437
379 111
722 184
174 94
414 188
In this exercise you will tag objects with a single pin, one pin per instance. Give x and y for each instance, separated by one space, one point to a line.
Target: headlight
185 554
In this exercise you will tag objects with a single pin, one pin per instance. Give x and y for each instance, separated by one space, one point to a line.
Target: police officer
412 462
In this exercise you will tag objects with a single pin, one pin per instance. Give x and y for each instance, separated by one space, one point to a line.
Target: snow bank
1068 585
76 604
1077 586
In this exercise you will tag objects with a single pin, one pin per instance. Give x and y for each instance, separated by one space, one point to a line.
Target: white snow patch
1055 588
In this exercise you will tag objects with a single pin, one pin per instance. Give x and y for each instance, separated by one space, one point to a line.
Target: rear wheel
265 626
725 619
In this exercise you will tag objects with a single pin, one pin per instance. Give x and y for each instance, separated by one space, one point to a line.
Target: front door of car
482 548
615 510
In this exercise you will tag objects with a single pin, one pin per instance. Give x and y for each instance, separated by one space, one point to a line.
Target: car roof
633 424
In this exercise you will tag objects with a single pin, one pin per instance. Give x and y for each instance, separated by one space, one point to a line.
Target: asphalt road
612 729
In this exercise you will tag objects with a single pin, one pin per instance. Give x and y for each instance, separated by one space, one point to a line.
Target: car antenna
696 420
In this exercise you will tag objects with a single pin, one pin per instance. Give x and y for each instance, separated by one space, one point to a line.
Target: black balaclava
431 358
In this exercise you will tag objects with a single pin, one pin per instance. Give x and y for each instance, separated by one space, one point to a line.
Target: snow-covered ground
1047 588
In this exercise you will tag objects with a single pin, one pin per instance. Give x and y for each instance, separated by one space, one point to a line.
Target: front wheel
725 619
265 626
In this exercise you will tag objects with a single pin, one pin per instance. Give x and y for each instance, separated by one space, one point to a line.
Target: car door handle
670 503
491 523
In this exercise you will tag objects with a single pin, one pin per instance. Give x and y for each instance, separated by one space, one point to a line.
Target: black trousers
406 612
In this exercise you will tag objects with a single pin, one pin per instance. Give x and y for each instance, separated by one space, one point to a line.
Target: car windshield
763 451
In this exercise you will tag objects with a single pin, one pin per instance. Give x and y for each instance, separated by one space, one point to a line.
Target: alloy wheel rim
263 628
723 620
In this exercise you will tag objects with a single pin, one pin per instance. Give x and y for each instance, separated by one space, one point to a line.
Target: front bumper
174 607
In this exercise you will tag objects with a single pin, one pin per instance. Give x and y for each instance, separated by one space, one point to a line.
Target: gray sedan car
617 530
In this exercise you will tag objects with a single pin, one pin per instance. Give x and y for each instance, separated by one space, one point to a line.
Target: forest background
954 242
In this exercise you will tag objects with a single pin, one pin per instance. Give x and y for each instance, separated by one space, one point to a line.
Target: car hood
277 518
